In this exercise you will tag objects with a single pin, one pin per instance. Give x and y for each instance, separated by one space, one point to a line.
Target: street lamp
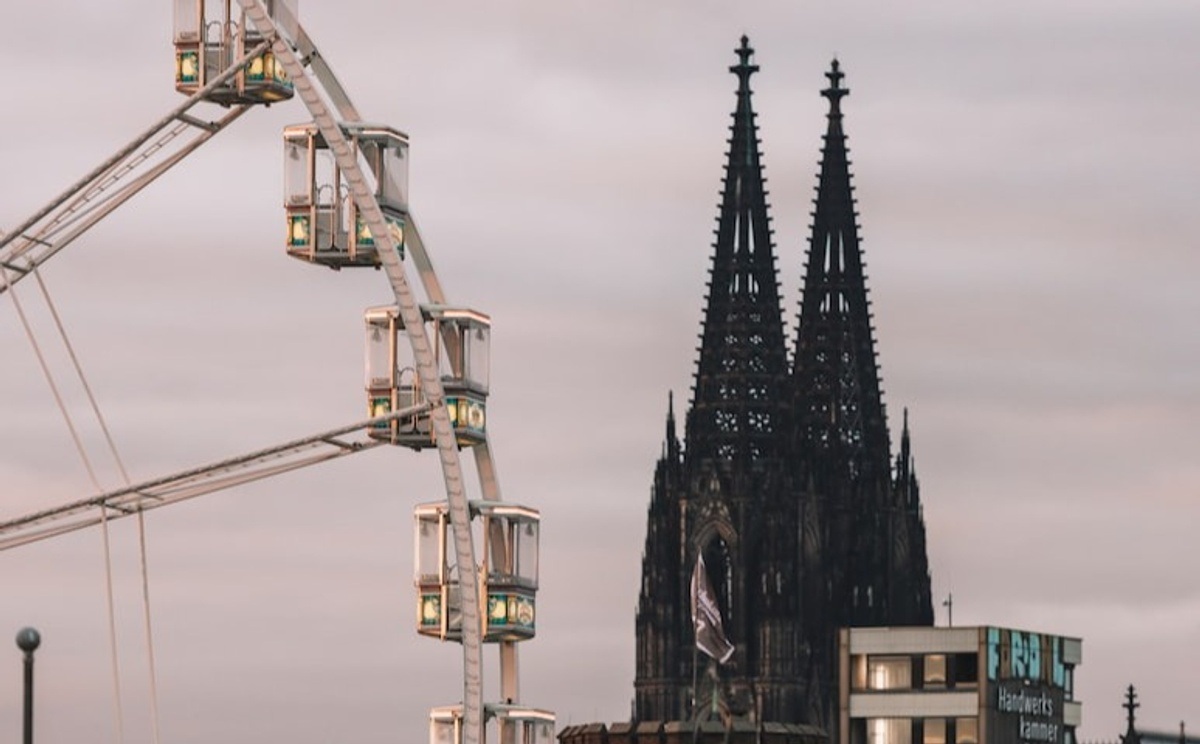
28 640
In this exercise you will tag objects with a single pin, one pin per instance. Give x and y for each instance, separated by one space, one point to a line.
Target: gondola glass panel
212 35
504 723
324 225
439 597
459 338
507 585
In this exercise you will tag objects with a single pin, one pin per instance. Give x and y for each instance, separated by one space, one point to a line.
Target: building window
858 731
889 673
858 671
889 731
966 730
935 731
965 670
935 670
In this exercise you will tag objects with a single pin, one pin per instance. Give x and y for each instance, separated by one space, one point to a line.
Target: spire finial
835 92
744 69
1131 704
671 445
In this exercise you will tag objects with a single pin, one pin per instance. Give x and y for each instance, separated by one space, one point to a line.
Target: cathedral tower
722 496
782 509
863 536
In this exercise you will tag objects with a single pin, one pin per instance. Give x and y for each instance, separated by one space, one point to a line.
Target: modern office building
970 685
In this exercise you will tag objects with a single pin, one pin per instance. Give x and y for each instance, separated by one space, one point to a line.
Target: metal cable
87 463
118 712
112 448
62 407
87 389
146 617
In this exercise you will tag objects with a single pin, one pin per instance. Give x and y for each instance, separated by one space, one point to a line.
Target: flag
706 616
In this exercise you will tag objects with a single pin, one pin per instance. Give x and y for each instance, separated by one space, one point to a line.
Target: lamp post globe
28 639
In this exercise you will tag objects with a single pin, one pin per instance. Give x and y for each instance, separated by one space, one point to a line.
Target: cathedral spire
744 69
783 484
835 92
1131 735
906 473
738 401
671 443
840 412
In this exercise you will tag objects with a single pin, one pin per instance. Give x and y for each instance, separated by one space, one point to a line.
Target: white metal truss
309 91
146 158
188 484
133 167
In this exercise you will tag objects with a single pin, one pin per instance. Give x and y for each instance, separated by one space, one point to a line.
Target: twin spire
745 395
783 480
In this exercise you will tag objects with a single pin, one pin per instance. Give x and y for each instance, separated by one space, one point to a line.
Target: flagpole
695 716
695 660
695 657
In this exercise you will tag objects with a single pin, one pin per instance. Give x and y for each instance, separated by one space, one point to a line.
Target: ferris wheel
345 206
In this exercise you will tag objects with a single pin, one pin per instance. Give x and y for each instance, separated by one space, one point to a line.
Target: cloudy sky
1026 175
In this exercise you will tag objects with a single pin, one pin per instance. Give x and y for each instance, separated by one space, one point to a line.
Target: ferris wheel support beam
347 112
427 371
84 221
510 688
424 266
188 484
91 198
312 57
